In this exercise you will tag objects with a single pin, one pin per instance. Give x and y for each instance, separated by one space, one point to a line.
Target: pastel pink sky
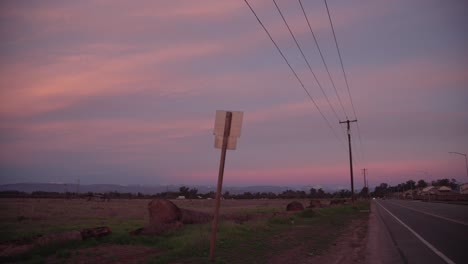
126 91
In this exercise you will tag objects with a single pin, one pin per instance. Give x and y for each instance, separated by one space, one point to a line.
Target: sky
125 92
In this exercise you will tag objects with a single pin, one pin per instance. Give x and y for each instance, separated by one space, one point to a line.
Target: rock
294 206
95 232
163 212
315 204
165 215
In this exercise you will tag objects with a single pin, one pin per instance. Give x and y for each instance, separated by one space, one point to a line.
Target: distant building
433 190
409 194
464 188
444 190
181 197
428 190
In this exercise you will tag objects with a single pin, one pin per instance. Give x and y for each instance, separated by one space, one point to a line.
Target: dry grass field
266 234
25 217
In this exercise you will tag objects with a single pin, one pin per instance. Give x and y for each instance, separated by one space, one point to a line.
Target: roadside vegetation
186 192
263 231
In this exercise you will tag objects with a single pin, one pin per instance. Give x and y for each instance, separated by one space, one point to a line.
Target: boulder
294 206
96 232
165 215
315 204
163 212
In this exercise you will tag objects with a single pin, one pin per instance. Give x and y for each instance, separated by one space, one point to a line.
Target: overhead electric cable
323 60
294 72
305 59
344 75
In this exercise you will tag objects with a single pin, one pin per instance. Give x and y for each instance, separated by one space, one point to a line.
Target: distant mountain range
144 189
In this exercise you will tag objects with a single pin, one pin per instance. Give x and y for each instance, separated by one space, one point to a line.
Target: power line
341 60
323 60
305 59
344 75
293 71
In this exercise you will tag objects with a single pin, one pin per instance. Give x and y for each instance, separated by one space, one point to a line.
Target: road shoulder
380 246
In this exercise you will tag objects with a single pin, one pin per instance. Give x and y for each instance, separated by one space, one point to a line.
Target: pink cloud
72 78
69 135
201 9
417 74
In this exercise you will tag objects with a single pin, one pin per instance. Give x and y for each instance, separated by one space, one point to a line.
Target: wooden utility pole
350 156
227 130
365 181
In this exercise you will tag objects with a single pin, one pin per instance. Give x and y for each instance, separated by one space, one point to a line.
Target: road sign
231 145
227 129
236 123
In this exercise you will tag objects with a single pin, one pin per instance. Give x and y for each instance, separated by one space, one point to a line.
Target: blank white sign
236 123
232 142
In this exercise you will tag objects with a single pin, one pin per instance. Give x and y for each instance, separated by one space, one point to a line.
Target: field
259 232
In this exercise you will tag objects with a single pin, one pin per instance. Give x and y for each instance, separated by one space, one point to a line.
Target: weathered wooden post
227 129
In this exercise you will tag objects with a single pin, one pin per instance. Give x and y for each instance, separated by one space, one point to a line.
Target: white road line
431 247
434 215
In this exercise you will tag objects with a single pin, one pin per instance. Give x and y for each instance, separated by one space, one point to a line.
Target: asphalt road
425 232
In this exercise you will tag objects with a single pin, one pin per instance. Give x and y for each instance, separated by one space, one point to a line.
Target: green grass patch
260 210
308 213
252 241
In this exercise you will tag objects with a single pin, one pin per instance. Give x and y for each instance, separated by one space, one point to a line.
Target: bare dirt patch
107 253
349 246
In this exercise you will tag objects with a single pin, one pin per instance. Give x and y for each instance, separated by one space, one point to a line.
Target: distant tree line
383 189
187 193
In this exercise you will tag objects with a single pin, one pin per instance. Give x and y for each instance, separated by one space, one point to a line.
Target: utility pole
365 181
366 185
78 188
350 156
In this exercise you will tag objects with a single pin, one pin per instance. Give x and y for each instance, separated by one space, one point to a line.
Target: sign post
227 128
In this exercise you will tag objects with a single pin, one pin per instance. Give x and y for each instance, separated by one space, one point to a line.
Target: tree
247 195
364 192
441 182
312 193
381 190
421 184
192 193
184 191
453 184
342 194
320 193
410 185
